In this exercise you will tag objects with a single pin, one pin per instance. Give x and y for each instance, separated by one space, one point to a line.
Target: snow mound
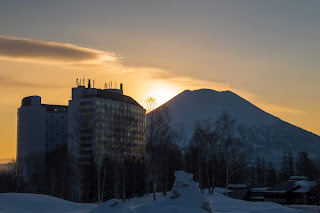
112 206
27 203
184 197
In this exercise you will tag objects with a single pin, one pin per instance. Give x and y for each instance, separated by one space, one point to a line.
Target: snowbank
222 203
184 197
37 203
112 206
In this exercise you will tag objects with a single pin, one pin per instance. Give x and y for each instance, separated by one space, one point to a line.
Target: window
86 103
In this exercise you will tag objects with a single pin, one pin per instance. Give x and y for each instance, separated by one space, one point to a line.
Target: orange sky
53 84
265 51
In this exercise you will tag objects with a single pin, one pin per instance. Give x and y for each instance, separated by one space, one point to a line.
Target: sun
162 92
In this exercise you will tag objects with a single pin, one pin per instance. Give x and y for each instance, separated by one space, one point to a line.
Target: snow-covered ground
27 203
185 197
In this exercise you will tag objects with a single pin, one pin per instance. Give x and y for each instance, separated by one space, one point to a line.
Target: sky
265 51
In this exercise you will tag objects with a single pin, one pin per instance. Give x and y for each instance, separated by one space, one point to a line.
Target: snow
27 203
306 208
185 197
301 190
222 203
237 186
262 189
221 190
112 206
267 135
298 178
305 183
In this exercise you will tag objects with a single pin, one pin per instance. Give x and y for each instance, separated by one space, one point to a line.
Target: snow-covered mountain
268 135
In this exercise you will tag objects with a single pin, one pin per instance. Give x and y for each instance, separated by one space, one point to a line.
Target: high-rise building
104 122
98 124
41 129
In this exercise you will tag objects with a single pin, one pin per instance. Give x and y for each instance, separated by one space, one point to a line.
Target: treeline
216 155
264 174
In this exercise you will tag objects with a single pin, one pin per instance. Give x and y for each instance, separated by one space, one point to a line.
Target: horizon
265 52
7 160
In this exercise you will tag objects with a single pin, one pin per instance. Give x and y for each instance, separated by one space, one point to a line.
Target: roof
262 189
106 94
283 187
299 186
55 108
305 183
298 178
238 186
302 190
238 194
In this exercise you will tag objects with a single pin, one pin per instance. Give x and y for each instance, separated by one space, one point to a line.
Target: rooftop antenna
105 86
111 84
89 85
93 84
115 85
84 80
80 82
77 82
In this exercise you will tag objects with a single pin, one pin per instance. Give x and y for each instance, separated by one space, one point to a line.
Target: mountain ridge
267 133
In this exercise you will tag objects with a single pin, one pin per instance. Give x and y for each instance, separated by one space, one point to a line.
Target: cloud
9 82
5 160
66 55
279 109
188 82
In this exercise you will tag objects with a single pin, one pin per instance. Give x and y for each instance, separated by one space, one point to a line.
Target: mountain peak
266 133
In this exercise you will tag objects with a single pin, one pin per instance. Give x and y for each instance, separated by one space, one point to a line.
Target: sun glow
162 92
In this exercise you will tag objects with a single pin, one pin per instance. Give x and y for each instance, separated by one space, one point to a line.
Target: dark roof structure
238 194
286 186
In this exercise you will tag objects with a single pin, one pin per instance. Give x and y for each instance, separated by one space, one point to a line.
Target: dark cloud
21 49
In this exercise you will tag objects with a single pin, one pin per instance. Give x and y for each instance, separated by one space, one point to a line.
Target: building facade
105 123
41 129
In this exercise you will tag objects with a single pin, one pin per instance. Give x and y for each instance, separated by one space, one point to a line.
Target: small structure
257 194
238 191
296 190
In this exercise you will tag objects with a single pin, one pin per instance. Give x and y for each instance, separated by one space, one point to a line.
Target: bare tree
216 146
161 144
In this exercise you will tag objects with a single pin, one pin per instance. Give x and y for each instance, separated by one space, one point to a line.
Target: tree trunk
124 184
103 182
212 179
154 187
227 178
